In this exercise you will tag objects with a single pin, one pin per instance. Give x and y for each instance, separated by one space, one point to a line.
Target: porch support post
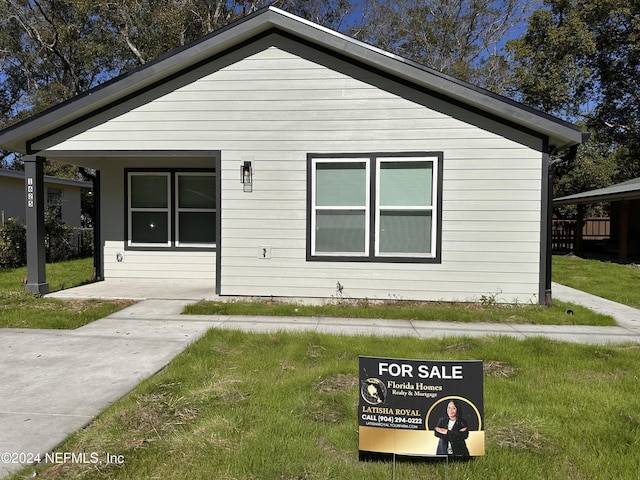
579 227
546 227
623 232
98 254
34 206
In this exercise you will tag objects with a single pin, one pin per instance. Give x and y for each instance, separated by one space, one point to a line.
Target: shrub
57 238
13 244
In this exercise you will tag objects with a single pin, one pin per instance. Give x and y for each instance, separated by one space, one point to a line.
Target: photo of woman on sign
452 431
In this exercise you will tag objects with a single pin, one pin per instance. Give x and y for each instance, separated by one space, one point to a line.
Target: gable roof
620 191
16 138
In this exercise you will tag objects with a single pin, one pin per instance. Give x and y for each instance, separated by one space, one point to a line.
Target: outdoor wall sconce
246 176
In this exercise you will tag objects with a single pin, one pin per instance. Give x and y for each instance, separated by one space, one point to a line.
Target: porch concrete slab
141 289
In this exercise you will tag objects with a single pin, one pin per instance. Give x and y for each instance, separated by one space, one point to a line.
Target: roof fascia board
613 197
128 153
629 189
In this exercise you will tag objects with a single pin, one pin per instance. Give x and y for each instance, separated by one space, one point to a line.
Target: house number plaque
30 193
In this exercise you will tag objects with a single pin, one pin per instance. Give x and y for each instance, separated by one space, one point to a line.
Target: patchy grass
619 283
284 407
60 275
438 311
22 310
27 311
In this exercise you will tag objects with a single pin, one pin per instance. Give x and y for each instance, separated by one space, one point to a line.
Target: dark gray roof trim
561 134
620 191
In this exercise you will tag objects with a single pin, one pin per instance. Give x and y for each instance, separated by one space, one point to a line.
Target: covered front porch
141 289
624 234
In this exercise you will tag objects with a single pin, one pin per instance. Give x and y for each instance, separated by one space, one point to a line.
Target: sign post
421 407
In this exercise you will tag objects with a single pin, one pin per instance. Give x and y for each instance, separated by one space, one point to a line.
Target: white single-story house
276 157
62 194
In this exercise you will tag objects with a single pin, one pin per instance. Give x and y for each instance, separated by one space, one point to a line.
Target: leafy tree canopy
580 59
460 38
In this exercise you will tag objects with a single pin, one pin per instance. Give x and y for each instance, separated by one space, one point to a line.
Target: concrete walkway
54 382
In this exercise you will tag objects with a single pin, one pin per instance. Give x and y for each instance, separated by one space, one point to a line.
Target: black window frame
372 207
172 244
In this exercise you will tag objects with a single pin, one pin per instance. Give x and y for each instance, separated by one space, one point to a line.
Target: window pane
341 184
149 191
405 232
149 227
54 196
196 191
406 183
196 227
340 231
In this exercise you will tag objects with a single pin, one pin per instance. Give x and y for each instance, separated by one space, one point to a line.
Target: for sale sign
421 407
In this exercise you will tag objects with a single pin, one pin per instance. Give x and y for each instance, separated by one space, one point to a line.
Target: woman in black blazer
452 431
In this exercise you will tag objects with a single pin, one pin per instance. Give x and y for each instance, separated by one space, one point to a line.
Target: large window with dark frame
382 207
55 200
171 209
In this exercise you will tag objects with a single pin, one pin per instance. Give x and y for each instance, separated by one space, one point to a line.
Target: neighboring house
365 175
625 215
61 195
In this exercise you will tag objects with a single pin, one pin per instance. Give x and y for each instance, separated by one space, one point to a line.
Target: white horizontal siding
467 290
274 105
487 248
159 265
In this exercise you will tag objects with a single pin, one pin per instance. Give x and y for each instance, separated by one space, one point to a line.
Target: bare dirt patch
337 383
498 369
521 435
459 347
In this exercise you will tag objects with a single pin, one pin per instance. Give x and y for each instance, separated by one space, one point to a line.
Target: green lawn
620 283
21 310
440 311
284 406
